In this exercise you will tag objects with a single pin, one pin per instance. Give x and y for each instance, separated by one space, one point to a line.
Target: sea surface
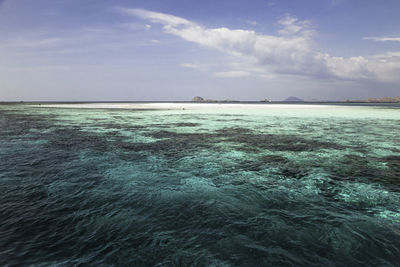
216 185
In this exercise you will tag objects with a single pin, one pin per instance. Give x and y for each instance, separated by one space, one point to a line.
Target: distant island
200 99
293 99
296 99
265 100
380 100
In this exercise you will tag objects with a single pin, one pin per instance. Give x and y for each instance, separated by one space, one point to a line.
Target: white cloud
291 26
155 17
232 74
194 66
290 51
383 39
388 55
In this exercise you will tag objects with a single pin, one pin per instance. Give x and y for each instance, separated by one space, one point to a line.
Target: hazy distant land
296 99
199 99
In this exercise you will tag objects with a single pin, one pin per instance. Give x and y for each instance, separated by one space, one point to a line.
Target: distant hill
383 100
197 99
200 99
293 99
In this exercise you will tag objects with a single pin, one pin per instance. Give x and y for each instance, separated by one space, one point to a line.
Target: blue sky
174 50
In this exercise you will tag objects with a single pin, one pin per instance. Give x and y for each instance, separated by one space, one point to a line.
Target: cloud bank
232 74
383 39
291 51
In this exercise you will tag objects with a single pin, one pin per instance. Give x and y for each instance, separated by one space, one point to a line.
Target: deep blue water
199 188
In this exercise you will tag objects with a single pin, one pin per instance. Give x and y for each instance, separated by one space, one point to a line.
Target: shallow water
289 185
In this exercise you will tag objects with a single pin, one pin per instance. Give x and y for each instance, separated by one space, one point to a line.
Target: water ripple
154 188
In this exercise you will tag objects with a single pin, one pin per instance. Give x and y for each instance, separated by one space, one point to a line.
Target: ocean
179 184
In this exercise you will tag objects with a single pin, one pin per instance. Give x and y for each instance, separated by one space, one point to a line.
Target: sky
164 50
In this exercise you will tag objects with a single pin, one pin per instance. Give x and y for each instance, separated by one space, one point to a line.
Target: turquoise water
286 185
